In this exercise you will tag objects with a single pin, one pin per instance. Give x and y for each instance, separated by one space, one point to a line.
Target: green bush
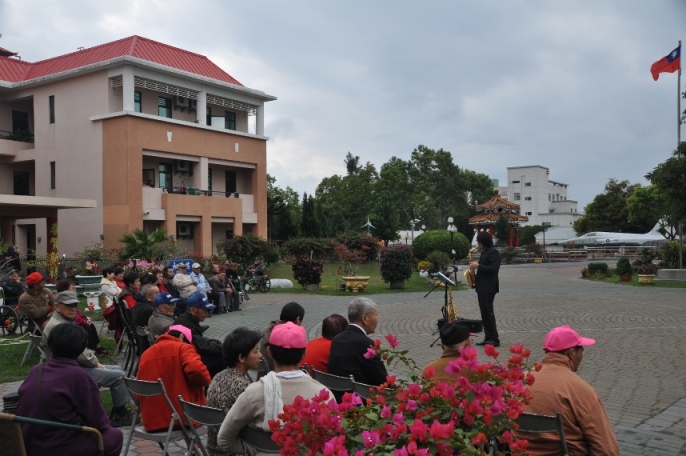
320 248
508 254
439 261
307 271
670 255
396 263
647 256
624 266
357 241
439 240
243 249
598 268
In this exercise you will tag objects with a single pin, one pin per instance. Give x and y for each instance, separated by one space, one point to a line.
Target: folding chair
368 391
334 382
13 440
538 424
207 416
36 338
259 440
132 350
163 438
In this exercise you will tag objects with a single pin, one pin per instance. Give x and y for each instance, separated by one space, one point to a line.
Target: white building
541 199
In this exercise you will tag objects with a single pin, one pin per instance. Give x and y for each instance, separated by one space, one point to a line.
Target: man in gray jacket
111 377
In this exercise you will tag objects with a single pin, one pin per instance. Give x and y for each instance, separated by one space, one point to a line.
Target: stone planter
356 284
625 277
538 260
646 279
312 287
89 283
398 285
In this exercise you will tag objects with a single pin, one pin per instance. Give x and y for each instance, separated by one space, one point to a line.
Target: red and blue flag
668 64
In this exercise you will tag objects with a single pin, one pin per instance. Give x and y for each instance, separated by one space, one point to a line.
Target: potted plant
396 265
423 267
646 273
307 272
624 269
350 262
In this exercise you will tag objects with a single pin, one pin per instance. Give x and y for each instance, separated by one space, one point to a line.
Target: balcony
156 202
9 146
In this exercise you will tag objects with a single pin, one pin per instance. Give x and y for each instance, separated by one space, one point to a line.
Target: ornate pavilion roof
492 209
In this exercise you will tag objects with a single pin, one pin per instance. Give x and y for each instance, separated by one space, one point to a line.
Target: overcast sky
561 84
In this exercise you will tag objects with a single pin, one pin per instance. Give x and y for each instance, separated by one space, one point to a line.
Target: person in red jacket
317 353
172 358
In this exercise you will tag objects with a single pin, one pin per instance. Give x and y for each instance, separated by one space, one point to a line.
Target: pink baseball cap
183 330
564 337
288 335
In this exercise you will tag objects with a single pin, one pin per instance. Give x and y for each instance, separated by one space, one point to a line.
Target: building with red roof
128 134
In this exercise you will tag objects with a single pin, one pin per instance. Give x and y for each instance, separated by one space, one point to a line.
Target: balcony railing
21 135
152 196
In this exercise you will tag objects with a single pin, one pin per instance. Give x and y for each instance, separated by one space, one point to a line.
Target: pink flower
411 404
419 430
430 372
392 340
370 353
385 412
370 439
400 452
491 351
440 431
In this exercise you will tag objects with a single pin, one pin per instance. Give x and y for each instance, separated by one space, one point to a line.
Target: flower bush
647 269
396 263
415 417
350 260
306 271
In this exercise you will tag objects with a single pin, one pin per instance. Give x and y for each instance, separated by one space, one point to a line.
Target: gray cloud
560 84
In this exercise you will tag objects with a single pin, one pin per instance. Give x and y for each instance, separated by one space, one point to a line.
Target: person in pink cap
558 388
264 400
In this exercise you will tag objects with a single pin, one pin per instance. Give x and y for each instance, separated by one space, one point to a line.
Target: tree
669 178
609 211
385 217
283 211
309 225
139 245
352 164
527 234
502 229
649 202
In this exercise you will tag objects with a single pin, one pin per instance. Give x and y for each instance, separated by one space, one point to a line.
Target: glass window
52 108
515 182
166 176
516 197
527 198
164 107
209 181
230 182
230 120
21 183
527 184
208 116
528 213
137 102
52 175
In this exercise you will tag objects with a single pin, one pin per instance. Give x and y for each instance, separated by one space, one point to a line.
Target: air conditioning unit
183 167
184 229
181 102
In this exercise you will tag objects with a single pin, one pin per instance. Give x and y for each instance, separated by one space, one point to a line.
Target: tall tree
283 211
649 203
502 229
309 226
669 178
352 164
385 217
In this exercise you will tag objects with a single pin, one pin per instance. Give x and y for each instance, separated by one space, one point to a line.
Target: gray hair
148 288
359 307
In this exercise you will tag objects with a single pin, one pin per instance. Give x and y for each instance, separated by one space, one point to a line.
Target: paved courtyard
637 365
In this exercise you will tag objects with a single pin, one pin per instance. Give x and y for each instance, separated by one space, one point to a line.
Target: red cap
33 278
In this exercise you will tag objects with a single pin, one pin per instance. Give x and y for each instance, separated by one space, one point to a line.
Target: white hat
196 265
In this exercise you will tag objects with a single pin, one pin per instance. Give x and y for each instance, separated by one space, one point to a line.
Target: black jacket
142 312
347 357
12 291
487 272
210 350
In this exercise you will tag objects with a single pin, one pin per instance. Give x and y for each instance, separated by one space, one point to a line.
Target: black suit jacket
210 350
487 272
347 357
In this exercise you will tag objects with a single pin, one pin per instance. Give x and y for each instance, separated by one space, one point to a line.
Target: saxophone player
487 285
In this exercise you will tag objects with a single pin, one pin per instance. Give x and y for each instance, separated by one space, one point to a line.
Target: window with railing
164 107
137 100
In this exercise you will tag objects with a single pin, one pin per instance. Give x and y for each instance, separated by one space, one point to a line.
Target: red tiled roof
497 203
134 46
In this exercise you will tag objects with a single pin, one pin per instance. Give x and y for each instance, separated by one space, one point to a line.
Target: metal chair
13 440
163 438
369 391
207 416
36 339
259 440
538 424
334 382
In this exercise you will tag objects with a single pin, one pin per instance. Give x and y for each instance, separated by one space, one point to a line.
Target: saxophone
451 314
470 274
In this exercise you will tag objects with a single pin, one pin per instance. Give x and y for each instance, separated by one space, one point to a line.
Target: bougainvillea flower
490 351
370 353
392 340
370 439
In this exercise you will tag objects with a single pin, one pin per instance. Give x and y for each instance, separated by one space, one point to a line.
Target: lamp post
451 229
413 223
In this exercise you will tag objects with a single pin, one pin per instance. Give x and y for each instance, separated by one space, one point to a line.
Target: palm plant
139 245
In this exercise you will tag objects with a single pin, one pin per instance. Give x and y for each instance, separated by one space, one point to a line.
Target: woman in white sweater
108 286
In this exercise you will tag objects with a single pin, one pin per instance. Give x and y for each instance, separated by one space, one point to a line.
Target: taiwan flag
667 64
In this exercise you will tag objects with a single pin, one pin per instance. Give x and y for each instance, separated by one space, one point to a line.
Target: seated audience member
210 350
11 258
558 388
142 313
60 390
132 286
36 302
454 337
108 286
317 353
12 288
215 270
173 359
163 316
348 348
222 289
82 320
241 353
168 276
183 282
111 377
286 347
119 277
199 278
161 283
292 312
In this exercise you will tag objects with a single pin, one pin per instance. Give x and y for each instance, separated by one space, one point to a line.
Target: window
208 116
527 198
21 183
527 184
230 120
52 175
137 102
164 107
528 213
515 182
166 176
20 122
516 197
230 182
209 181
550 197
51 100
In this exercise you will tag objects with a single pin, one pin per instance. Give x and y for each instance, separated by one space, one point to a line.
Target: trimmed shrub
243 249
508 254
670 255
396 263
439 240
647 269
439 261
307 271
624 266
598 268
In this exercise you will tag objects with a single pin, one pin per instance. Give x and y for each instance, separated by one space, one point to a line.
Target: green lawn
634 282
328 285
